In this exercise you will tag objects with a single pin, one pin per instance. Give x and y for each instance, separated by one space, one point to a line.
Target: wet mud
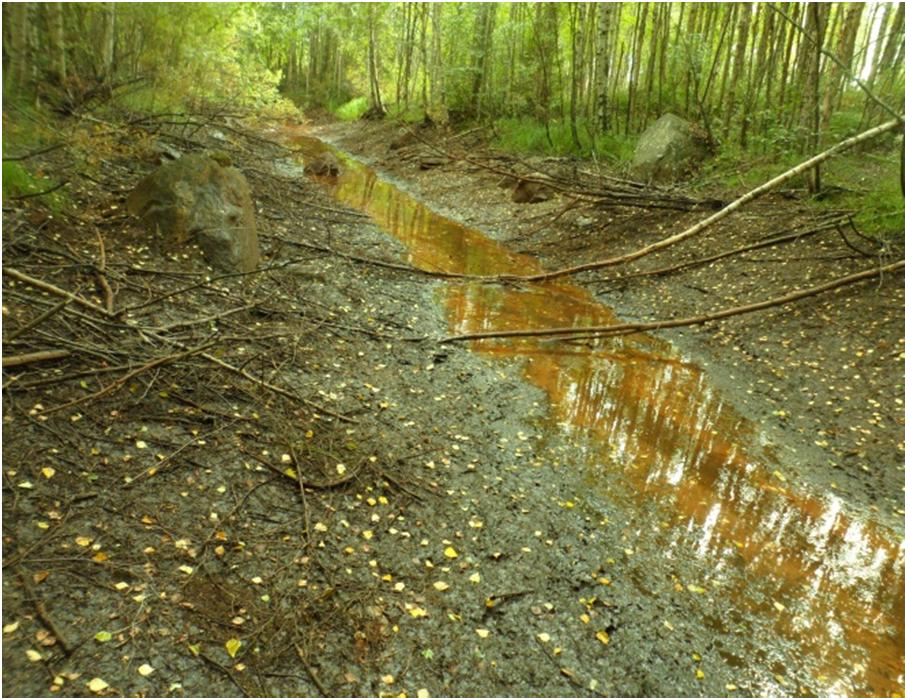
658 446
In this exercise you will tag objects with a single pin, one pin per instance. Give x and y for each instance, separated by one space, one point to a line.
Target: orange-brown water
664 435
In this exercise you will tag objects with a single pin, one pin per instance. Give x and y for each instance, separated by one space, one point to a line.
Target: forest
428 349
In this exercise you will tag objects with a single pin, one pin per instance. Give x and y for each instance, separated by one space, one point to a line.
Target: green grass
351 110
529 137
18 181
867 183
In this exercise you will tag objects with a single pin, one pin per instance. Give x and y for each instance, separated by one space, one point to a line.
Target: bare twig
635 327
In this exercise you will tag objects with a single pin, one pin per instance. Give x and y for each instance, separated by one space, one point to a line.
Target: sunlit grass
351 110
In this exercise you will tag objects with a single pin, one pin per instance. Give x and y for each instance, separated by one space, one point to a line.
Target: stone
323 164
197 199
530 192
404 139
668 150
429 162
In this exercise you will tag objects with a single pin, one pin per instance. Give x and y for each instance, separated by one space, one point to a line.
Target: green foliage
351 110
18 181
529 136
868 183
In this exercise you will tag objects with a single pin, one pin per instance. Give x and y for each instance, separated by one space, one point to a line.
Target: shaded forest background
751 74
765 82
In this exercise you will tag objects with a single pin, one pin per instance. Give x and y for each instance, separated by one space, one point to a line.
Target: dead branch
34 357
635 327
122 380
700 226
371 261
769 242
101 272
55 290
42 613
46 315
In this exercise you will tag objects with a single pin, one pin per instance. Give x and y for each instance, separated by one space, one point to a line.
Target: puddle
665 436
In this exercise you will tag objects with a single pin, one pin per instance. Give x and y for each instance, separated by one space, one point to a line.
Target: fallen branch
635 327
46 315
373 262
769 242
55 290
122 380
755 193
42 613
101 272
34 357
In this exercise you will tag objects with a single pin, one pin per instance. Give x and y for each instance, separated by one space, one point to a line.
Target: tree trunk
637 45
57 37
108 42
575 33
374 62
606 27
846 50
739 62
811 112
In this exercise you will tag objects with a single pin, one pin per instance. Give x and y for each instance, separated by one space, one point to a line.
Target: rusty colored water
837 585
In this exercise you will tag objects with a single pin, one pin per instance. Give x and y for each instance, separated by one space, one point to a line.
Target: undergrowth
530 137
18 181
351 110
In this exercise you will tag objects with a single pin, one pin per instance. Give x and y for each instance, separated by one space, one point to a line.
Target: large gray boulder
669 149
198 199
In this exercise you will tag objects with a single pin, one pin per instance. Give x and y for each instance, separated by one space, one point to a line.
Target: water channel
839 581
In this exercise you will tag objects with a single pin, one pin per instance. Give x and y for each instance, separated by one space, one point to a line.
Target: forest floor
367 512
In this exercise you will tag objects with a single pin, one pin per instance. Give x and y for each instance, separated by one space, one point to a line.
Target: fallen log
700 226
635 327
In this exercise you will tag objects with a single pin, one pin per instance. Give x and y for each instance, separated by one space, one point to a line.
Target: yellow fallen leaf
778 606
694 589
779 476
48 472
140 444
423 693
367 535
417 612
585 618
121 586
10 628
100 557
543 637
482 632
603 636
698 674
475 578
33 656
186 569
97 685
441 586
145 670
232 646
291 473
103 636
340 469
83 541
451 553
